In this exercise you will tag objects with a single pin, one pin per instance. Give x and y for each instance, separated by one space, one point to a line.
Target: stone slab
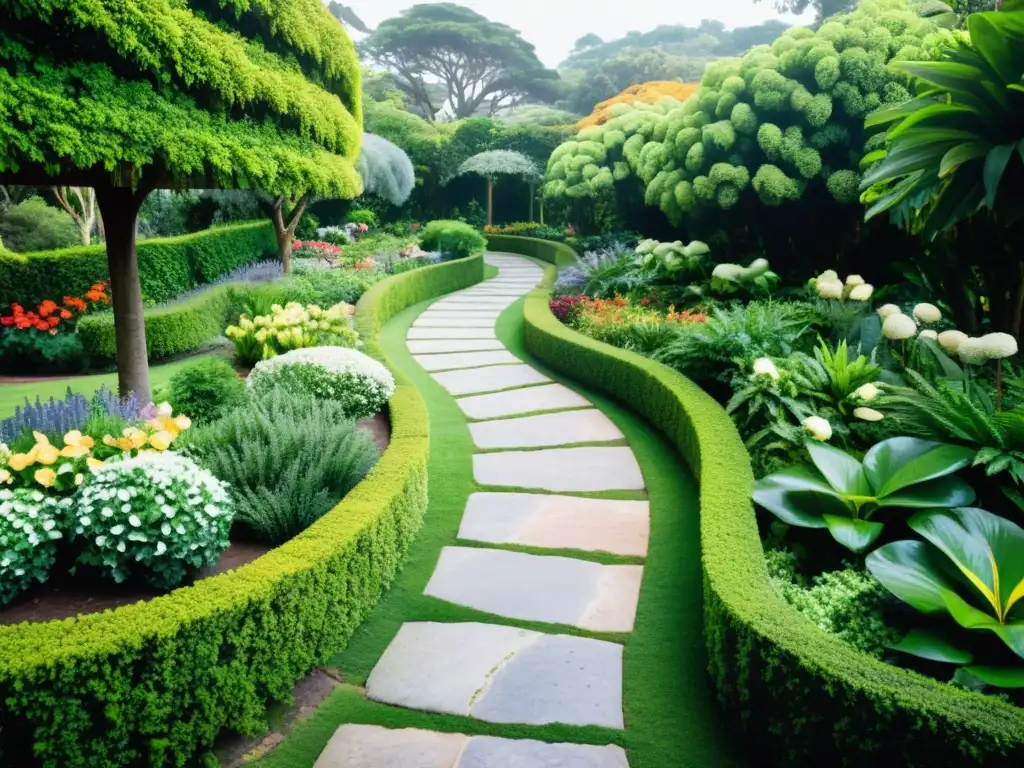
556 590
450 333
436 346
550 397
558 522
463 309
437 314
561 469
372 746
489 379
546 430
453 360
501 674
470 298
448 322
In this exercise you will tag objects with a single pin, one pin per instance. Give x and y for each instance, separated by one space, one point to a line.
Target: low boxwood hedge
798 695
168 266
155 682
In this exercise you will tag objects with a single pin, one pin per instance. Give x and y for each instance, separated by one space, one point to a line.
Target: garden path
554 476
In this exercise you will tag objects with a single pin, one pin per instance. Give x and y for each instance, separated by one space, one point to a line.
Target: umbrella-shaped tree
126 98
501 162
386 170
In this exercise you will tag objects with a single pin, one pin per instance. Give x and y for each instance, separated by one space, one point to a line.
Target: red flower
65 314
7 320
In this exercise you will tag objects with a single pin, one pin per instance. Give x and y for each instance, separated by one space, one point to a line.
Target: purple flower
72 412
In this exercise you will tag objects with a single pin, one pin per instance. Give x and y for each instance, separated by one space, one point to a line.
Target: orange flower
65 314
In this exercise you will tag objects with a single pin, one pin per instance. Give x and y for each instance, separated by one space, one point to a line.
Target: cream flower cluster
992 346
828 286
897 326
294 326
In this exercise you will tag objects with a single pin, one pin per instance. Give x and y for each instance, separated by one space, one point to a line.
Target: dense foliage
386 170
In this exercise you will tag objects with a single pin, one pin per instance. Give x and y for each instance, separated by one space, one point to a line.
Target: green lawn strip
543 412
534 448
604 558
13 395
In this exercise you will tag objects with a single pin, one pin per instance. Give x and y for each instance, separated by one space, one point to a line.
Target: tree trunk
490 201
285 224
119 207
531 202
542 210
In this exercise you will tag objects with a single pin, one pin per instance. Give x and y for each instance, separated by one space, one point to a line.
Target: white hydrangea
818 428
927 313
763 366
929 334
950 341
971 352
331 373
829 289
868 414
862 292
868 392
157 514
30 526
888 310
852 281
829 274
992 346
898 327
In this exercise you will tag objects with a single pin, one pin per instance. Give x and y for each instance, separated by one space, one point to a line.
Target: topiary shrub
347 376
30 527
206 390
455 239
362 216
156 516
289 458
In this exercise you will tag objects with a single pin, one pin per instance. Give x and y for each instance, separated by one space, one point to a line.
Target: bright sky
554 25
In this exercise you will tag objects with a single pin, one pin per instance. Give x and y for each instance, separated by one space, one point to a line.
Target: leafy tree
501 162
587 41
538 114
482 64
80 204
32 225
126 99
822 8
348 17
386 170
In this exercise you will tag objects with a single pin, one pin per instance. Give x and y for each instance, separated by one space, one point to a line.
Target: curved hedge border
153 683
559 254
168 267
798 694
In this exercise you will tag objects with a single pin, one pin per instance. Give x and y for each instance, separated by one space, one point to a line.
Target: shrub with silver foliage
386 170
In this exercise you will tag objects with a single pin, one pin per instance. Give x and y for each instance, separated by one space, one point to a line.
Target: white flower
927 313
867 392
818 428
899 327
998 345
862 292
929 334
950 341
763 366
868 414
853 281
829 289
829 274
888 310
164 409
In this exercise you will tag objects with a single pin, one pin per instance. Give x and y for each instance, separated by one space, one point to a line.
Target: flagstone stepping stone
557 590
547 398
501 674
489 379
488 317
447 322
474 298
480 309
561 469
372 746
558 522
454 360
451 333
549 429
434 346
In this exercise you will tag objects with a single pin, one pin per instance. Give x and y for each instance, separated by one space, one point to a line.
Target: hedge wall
168 267
559 254
153 683
798 695
170 331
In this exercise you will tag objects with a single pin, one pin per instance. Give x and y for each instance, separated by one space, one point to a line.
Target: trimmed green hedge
170 331
168 267
155 682
559 254
799 695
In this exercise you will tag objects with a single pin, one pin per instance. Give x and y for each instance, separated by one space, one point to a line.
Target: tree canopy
128 97
482 64
501 162
386 170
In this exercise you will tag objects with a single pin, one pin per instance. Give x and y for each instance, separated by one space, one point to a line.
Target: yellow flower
161 440
125 443
47 454
45 477
136 437
183 422
93 463
73 451
19 461
74 437
41 439
109 440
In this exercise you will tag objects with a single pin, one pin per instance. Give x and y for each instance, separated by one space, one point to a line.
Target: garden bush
362 216
35 352
455 239
156 515
288 459
32 225
30 527
360 384
289 328
167 267
796 694
206 390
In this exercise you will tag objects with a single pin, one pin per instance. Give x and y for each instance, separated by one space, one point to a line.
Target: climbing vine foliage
783 121
242 93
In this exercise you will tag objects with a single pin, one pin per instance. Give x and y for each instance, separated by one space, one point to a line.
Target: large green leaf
841 470
928 645
987 549
939 493
937 115
962 153
947 75
889 114
906 569
854 534
995 166
899 462
990 40
908 157
798 496
997 677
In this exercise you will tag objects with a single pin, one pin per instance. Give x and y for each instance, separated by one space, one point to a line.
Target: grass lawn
669 710
13 395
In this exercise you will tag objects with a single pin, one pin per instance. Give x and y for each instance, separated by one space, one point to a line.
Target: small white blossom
927 313
888 310
852 281
998 345
818 428
862 292
929 334
868 414
868 392
763 366
899 327
950 341
829 289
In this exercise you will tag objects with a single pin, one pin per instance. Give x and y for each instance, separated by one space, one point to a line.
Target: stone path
537 442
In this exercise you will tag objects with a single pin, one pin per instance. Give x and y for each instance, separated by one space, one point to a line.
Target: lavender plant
258 272
73 412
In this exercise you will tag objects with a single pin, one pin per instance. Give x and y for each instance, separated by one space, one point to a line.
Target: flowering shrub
331 373
159 431
315 249
154 515
567 308
292 327
49 315
58 470
29 531
70 413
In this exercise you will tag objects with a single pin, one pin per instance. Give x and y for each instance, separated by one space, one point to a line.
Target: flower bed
798 694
